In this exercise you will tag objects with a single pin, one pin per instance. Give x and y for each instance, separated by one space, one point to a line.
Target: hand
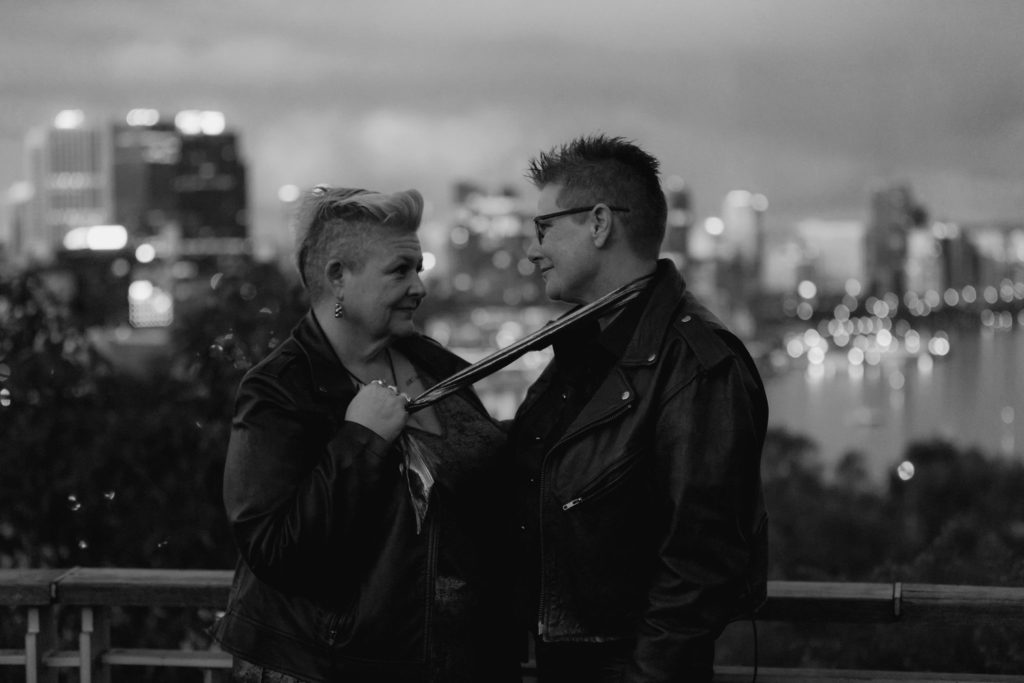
381 408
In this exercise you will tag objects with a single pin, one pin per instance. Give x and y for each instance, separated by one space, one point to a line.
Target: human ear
601 230
334 275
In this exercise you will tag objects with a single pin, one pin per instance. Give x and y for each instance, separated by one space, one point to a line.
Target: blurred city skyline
811 103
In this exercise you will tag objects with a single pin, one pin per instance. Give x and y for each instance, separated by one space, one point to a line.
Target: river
973 396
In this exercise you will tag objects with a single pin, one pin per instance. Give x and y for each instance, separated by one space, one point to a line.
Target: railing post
93 641
40 638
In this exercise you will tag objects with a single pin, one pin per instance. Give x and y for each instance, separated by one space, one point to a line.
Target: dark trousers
583 662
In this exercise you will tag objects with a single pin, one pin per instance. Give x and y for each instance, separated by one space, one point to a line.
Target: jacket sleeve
708 441
296 499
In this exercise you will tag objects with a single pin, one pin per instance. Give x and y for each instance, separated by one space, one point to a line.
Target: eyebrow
403 259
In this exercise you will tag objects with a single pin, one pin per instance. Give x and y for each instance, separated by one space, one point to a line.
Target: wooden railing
94 592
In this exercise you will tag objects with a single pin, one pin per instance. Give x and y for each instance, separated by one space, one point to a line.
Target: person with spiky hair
636 453
367 538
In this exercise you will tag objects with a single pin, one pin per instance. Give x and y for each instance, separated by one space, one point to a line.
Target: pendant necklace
361 383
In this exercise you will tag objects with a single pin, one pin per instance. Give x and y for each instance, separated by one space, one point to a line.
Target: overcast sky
811 102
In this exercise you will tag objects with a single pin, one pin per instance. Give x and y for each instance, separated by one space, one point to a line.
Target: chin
554 292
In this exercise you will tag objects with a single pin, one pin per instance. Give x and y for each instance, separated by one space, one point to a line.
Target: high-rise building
679 220
488 244
139 213
69 168
147 156
961 262
742 237
182 182
17 206
894 211
832 253
924 268
210 184
739 255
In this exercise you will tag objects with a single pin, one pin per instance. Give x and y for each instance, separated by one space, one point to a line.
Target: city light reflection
69 119
96 238
807 289
939 344
714 226
429 261
142 117
145 253
289 193
905 470
925 364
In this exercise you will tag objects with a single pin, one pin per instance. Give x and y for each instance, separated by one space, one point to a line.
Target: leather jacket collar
324 365
668 289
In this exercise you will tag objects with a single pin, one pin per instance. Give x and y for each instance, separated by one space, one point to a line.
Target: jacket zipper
541 609
428 615
541 622
619 471
332 633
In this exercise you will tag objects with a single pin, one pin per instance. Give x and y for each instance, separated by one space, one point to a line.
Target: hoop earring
339 310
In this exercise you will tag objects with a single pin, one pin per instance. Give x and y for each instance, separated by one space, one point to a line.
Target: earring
339 310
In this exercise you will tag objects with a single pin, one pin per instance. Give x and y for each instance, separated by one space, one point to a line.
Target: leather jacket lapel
612 398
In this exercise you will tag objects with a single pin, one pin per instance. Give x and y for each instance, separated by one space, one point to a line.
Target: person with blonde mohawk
366 538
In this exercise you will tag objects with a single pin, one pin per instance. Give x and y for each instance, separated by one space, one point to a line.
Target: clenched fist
381 408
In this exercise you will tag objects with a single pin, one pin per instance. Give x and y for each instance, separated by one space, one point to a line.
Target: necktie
538 340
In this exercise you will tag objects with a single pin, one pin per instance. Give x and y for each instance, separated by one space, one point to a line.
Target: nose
416 288
533 251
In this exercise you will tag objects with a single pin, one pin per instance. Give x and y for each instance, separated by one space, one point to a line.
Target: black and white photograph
493 342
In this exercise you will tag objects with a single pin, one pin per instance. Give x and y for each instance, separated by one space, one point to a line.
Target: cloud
386 149
806 98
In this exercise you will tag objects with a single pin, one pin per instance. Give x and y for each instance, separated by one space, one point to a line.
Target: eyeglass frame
566 212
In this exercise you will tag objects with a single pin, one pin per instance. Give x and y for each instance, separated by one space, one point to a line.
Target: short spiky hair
340 222
613 170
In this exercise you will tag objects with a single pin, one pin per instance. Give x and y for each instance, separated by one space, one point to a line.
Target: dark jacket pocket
604 482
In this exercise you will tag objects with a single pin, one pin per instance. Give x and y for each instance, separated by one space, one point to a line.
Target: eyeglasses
538 221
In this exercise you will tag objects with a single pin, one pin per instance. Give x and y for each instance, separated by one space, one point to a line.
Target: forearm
295 502
282 525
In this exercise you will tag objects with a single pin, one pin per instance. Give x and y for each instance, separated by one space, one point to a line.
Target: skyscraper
488 244
743 229
210 183
894 211
139 213
740 254
69 168
147 155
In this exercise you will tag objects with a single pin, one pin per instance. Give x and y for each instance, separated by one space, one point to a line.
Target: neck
353 346
617 273
619 278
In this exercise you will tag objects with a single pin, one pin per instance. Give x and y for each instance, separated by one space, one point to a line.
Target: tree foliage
103 467
958 520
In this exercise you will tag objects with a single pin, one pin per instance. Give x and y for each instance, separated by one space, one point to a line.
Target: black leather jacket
333 582
653 523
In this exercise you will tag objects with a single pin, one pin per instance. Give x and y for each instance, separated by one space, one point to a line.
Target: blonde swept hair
341 223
